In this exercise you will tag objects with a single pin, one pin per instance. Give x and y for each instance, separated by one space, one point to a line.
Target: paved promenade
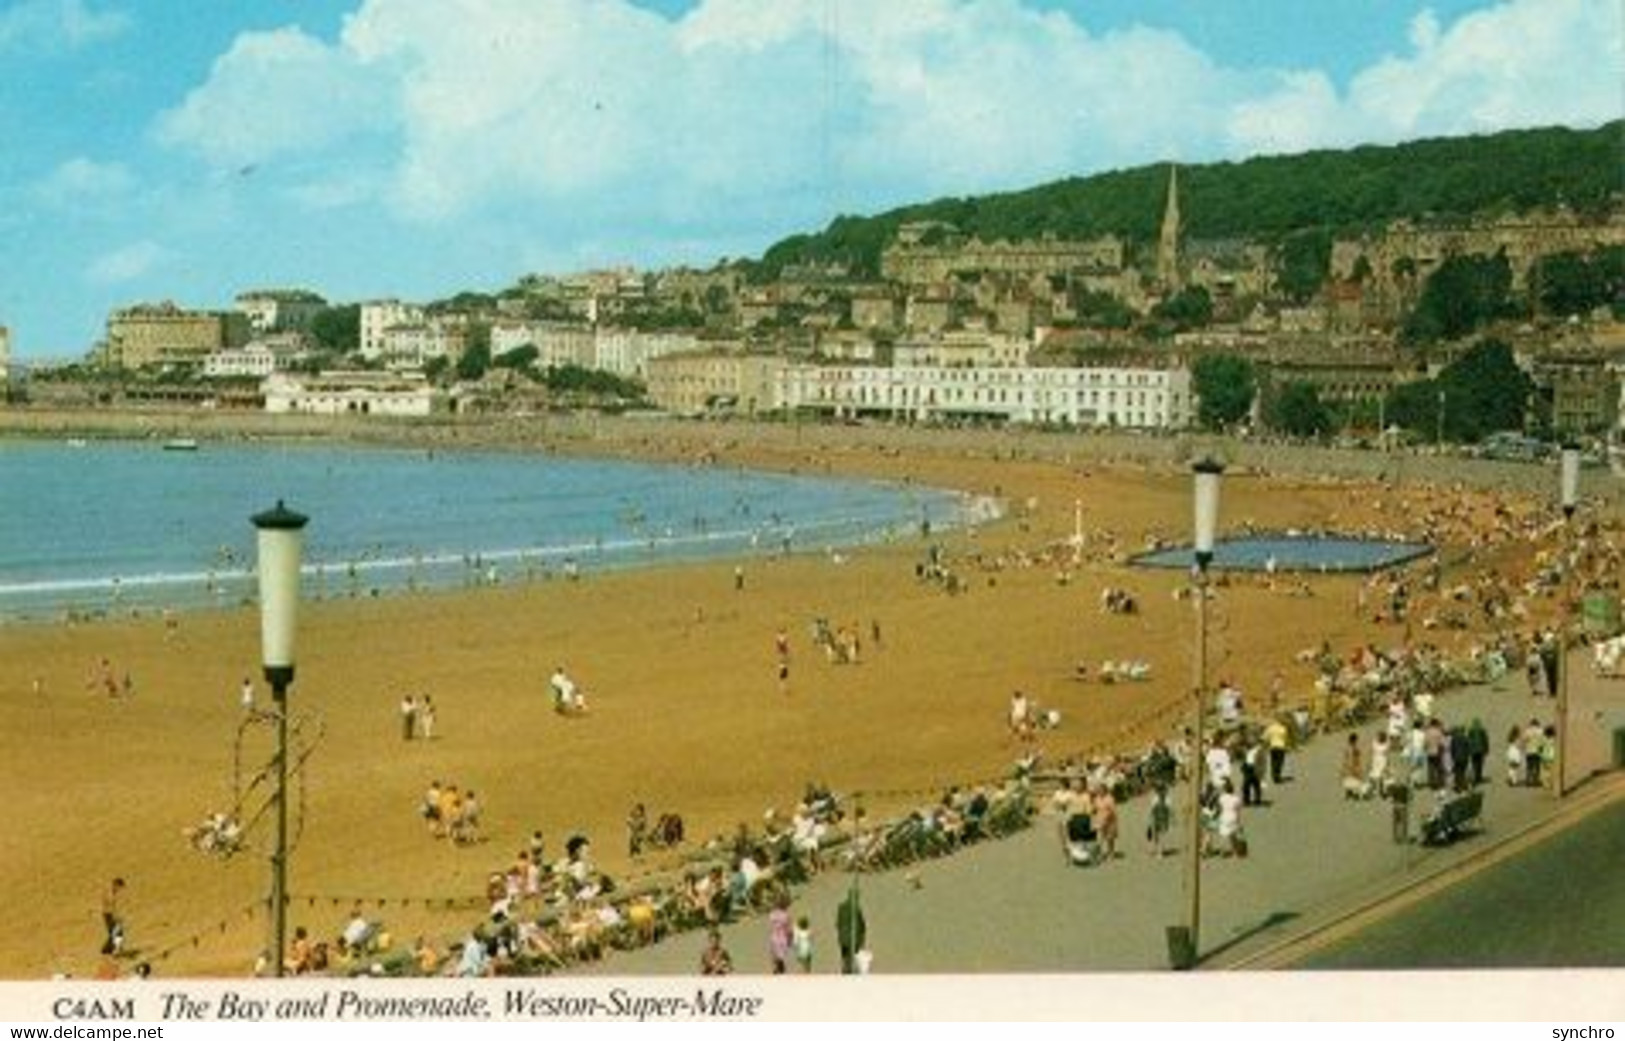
1016 906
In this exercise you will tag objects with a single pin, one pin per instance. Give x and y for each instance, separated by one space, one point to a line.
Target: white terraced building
352 394
1140 399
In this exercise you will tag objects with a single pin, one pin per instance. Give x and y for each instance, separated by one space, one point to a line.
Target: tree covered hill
1263 198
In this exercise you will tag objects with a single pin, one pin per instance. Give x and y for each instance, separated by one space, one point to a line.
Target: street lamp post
280 536
1207 474
1569 496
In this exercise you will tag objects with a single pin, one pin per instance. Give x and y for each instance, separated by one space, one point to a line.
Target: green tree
1575 283
1225 386
1295 408
523 357
1484 391
338 329
1415 406
1103 311
1462 295
1305 260
476 356
1478 394
1190 308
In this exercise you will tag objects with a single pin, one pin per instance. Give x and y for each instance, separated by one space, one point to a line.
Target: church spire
1168 243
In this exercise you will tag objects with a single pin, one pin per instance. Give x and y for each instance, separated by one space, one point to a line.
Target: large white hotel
1138 398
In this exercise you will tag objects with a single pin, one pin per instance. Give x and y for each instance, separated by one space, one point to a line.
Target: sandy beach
686 712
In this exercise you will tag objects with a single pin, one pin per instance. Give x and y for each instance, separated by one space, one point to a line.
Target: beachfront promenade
1017 906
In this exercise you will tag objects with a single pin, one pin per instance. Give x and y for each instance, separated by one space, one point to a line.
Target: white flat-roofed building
256 359
378 317
276 352
1142 399
277 310
397 394
5 354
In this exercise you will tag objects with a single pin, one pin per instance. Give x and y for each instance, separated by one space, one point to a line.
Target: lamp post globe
281 543
1569 478
1208 473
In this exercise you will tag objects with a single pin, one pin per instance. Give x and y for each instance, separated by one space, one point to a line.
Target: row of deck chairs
927 834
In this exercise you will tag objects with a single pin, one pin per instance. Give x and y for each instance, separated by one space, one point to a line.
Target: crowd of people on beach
452 813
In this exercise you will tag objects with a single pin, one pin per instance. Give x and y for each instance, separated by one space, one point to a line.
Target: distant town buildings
1129 398
378 317
165 335
273 352
952 327
353 394
280 310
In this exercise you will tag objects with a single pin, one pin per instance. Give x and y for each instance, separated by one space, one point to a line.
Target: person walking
426 718
1252 773
1478 749
1276 737
1161 819
780 935
113 918
1354 779
851 932
715 959
409 717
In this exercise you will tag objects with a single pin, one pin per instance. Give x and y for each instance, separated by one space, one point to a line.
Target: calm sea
109 526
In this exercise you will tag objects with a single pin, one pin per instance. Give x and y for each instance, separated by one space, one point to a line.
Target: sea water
106 527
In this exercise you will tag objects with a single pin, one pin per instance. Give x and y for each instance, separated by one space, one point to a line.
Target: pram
1081 842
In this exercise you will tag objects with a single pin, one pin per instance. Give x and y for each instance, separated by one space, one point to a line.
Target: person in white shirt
1229 818
1218 765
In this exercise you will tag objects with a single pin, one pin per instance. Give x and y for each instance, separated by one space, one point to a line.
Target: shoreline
789 446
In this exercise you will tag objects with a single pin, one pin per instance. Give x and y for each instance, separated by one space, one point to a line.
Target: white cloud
1518 63
275 93
601 115
82 182
55 23
126 263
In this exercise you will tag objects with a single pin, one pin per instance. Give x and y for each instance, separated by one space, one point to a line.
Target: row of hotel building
718 383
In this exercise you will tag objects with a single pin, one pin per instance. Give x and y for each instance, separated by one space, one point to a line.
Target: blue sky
188 151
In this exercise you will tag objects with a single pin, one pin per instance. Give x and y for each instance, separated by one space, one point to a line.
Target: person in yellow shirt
1276 737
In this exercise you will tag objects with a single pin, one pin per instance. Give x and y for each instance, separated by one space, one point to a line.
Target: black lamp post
1186 951
281 538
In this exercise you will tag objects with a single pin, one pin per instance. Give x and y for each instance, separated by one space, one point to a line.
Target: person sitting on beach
563 689
358 933
218 833
300 953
